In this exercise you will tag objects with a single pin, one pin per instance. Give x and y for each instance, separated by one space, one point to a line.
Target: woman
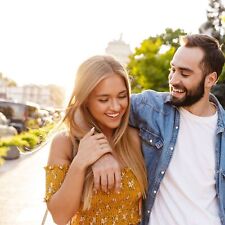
97 123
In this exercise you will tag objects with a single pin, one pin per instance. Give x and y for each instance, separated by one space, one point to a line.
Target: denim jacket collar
221 114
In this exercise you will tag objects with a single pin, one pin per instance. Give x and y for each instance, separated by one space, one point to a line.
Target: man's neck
202 108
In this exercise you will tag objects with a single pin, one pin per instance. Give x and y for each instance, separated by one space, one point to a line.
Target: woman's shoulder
132 131
61 149
134 134
61 136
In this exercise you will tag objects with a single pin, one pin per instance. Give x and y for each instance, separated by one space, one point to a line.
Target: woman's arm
66 201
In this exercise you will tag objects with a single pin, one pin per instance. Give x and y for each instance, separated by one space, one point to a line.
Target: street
22 186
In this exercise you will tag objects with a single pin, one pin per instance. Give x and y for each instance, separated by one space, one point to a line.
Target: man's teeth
113 115
178 90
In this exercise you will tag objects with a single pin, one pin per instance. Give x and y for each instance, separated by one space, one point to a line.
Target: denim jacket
158 123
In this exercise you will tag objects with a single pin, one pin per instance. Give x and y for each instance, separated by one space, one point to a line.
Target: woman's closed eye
122 96
103 100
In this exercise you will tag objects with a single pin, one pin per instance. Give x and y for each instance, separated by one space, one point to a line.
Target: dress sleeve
54 179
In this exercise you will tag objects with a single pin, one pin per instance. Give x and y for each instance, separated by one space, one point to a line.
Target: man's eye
184 74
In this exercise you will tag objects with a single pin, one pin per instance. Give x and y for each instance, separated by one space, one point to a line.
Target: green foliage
7 81
27 140
172 37
15 140
40 133
150 62
31 139
215 26
215 21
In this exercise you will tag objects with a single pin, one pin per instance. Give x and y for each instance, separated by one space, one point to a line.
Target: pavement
22 187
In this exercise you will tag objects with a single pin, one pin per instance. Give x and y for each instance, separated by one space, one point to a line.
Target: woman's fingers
111 180
103 149
92 147
102 141
117 179
99 136
104 182
97 181
89 133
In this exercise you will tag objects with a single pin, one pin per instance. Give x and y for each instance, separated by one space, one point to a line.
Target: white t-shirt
187 194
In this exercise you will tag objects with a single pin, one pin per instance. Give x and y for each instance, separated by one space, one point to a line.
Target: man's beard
192 95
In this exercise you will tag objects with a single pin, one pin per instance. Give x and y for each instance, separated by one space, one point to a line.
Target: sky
44 41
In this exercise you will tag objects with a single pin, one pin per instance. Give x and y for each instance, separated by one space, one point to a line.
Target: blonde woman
97 123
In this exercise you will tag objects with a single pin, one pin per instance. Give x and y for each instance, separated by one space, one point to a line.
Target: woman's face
108 102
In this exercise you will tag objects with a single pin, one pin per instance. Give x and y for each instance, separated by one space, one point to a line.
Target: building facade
120 50
42 95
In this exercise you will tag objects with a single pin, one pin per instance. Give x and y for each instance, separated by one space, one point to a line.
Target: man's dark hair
213 60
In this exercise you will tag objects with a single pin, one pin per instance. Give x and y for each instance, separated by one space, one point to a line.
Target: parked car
20 115
3 119
44 117
5 129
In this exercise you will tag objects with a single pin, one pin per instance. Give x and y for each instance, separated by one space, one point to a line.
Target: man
183 140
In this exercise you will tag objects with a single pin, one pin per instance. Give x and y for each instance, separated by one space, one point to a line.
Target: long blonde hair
90 73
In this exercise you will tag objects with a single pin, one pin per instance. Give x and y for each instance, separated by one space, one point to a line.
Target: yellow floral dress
106 208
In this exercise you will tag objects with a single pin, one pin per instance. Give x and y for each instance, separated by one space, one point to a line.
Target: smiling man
183 140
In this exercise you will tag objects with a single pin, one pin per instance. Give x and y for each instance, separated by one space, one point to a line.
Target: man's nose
174 78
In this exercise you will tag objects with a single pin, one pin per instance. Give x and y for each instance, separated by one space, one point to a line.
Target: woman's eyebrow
106 95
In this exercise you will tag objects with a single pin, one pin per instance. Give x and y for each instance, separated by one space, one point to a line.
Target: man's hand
107 173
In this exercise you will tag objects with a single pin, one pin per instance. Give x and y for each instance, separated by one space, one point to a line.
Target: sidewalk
22 186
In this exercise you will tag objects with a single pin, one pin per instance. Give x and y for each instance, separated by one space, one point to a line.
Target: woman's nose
115 105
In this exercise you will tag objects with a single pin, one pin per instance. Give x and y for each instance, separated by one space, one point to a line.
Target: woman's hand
91 148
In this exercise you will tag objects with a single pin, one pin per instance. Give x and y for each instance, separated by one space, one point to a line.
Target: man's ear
211 80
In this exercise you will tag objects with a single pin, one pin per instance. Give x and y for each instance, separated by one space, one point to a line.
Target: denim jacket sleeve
147 105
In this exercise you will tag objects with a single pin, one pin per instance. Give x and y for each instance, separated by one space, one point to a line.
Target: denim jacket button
154 191
148 211
176 127
171 148
150 140
162 172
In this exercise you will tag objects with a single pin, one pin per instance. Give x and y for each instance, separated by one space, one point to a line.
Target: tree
150 62
214 19
6 81
215 26
57 95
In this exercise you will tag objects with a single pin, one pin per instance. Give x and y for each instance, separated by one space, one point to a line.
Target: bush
40 133
25 141
16 140
31 139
